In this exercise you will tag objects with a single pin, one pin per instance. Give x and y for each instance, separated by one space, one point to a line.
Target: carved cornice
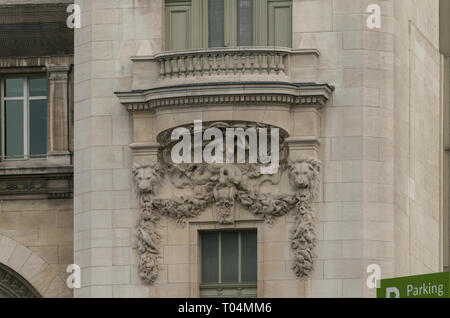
53 183
58 72
277 93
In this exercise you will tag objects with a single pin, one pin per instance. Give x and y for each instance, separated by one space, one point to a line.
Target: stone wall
417 118
36 240
356 218
105 207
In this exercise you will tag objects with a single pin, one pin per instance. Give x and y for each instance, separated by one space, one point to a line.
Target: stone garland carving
304 176
225 185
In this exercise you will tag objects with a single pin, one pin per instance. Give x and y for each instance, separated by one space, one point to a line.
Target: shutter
280 23
178 26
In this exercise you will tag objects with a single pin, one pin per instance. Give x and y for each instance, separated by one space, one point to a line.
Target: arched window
12 285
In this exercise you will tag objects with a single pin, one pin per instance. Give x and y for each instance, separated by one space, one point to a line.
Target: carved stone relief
225 186
12 285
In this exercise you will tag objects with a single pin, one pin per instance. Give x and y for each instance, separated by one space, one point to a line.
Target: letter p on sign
392 291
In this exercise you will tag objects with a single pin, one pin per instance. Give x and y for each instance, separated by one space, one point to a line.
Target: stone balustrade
222 62
251 63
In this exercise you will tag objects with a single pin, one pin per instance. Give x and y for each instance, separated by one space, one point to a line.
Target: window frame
198 24
26 98
221 284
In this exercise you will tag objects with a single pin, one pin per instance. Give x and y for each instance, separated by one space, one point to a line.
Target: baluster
252 57
205 68
264 63
257 65
214 66
183 67
168 63
240 64
222 65
230 62
190 66
209 63
176 67
162 68
281 67
198 65
247 67
201 59
272 65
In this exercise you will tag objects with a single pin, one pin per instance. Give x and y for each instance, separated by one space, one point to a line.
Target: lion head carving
304 173
146 177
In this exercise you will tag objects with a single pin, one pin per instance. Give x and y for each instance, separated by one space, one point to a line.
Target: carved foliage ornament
223 186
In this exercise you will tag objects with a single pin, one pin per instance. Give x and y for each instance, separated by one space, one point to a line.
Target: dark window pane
14 129
38 87
245 22
38 127
216 19
230 257
210 257
14 87
248 257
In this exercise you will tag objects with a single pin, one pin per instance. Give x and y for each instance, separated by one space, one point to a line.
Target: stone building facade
363 176
36 166
365 103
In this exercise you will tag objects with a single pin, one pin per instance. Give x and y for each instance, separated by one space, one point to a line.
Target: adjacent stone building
36 166
363 119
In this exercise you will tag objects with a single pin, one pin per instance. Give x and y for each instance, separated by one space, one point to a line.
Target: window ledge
34 170
227 93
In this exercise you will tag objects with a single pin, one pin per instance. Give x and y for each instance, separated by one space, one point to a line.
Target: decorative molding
278 93
54 183
227 50
58 72
223 186
34 63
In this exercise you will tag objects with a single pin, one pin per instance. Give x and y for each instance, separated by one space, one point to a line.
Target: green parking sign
421 286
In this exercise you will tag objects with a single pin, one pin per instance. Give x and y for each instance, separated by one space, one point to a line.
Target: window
228 23
216 23
245 22
228 264
24 118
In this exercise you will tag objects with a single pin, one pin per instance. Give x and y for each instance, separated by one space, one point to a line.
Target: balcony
271 85
239 64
